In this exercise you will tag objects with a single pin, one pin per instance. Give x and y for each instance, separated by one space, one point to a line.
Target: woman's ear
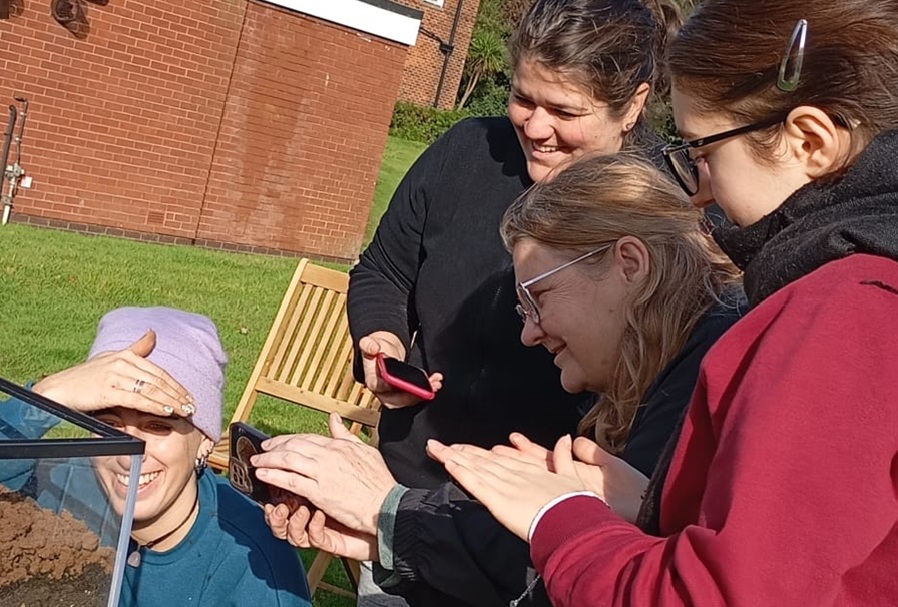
637 104
815 141
631 257
205 448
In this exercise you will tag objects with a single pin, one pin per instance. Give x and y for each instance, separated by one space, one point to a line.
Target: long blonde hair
595 202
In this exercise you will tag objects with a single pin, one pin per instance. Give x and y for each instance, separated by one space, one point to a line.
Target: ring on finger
138 386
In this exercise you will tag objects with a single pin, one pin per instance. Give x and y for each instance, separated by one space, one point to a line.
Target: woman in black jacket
618 281
436 288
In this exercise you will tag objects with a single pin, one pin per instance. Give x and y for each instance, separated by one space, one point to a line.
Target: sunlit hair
597 201
848 69
608 47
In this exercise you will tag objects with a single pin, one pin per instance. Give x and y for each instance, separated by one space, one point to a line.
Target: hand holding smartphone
405 377
246 441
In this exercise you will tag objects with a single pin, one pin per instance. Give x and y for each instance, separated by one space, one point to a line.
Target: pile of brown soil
49 559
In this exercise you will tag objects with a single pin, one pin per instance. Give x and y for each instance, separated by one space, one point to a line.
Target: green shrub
416 123
660 116
490 98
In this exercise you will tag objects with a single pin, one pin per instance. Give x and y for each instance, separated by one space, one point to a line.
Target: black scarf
821 222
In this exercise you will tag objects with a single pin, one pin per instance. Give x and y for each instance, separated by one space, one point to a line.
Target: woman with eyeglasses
621 285
783 486
436 288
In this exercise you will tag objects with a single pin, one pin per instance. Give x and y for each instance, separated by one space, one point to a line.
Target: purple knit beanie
187 347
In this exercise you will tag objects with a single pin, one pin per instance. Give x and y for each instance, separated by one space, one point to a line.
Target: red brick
266 141
425 61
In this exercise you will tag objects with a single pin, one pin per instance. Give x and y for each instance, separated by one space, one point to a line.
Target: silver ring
138 386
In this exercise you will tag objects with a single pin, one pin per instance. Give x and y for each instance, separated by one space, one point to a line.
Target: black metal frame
110 441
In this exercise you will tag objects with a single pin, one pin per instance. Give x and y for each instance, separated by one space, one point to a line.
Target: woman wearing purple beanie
158 374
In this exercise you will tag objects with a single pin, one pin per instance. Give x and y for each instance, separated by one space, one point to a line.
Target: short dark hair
609 47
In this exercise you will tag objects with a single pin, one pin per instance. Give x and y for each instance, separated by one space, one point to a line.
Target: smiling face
557 121
581 310
730 174
167 477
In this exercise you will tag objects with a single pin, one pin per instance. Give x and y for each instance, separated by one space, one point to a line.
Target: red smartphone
404 376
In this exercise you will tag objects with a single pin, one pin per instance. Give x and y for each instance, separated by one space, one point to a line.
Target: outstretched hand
513 488
390 345
618 483
124 378
342 476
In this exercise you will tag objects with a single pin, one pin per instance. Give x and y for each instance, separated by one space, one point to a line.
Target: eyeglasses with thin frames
527 307
682 164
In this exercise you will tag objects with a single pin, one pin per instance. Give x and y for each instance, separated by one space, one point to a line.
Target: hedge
423 124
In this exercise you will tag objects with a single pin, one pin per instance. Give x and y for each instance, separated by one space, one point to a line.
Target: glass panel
65 512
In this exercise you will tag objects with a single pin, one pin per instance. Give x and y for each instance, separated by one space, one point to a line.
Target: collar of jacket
854 212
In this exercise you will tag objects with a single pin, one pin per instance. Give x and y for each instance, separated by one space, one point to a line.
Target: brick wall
425 61
307 152
223 122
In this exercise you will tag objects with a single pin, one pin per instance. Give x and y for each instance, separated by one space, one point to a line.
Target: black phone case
246 441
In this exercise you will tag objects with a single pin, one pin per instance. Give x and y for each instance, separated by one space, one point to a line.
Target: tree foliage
486 72
514 10
486 57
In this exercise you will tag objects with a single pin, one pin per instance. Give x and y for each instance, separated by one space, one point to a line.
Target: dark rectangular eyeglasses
679 158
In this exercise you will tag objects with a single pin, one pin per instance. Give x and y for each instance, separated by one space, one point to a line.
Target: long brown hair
728 55
596 201
608 47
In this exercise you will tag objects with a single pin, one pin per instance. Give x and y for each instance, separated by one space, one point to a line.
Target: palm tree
486 57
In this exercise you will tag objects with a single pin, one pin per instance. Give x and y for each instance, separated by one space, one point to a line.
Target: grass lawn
55 286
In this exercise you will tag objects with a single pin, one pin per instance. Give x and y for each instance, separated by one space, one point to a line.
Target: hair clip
799 35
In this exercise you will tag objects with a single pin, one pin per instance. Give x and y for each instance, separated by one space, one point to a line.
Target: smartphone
245 442
404 376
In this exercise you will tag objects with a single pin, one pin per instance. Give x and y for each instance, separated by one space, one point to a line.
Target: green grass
55 286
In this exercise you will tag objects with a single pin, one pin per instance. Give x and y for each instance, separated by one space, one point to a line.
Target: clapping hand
513 487
618 483
515 482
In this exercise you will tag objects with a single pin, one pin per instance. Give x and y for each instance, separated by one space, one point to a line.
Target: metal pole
17 171
447 49
4 156
7 137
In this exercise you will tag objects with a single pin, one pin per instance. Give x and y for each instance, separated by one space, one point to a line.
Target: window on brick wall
434 2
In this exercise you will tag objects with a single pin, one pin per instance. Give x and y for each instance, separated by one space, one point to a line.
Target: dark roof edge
395 7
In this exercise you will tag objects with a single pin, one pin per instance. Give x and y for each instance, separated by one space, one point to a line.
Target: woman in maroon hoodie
783 486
